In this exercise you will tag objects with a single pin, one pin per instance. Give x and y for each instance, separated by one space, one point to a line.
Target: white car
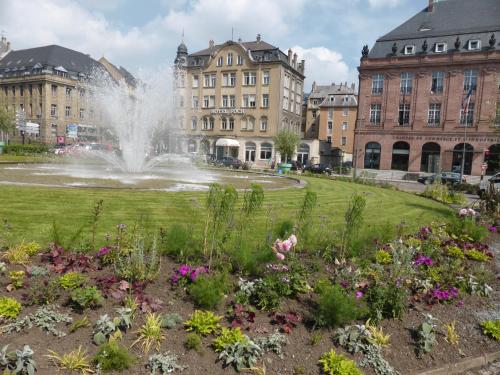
487 182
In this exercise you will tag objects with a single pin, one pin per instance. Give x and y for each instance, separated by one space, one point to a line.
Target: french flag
466 102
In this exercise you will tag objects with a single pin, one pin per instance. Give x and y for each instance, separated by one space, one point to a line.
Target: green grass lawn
9 158
30 211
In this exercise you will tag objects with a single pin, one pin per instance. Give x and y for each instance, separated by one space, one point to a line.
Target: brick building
413 84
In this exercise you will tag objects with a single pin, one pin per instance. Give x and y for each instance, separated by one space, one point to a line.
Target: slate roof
449 19
48 57
321 91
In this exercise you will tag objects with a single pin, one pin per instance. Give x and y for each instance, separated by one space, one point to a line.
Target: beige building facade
233 99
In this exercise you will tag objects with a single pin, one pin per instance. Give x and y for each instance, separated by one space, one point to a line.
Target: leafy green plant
383 257
19 362
193 342
336 364
335 307
169 321
85 298
16 279
285 143
42 292
138 264
111 356
45 317
316 338
164 363
492 328
451 336
80 323
178 242
455 252
21 253
37 271
477 255
272 343
377 335
72 280
241 354
203 322
9 308
76 360
208 291
386 301
353 221
3 268
228 336
427 335
150 333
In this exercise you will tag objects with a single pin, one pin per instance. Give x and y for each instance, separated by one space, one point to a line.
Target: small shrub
426 335
477 255
42 292
164 363
316 338
150 333
9 308
203 322
178 242
72 280
77 360
451 336
21 253
228 336
492 328
335 307
138 264
18 362
383 257
207 291
377 335
386 301
16 279
80 323
241 354
45 317
169 321
193 342
336 364
272 343
113 357
85 298
455 252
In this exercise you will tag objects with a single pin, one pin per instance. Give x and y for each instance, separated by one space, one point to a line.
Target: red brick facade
447 132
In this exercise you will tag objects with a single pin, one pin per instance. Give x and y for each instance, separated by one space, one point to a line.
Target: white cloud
384 3
102 5
323 65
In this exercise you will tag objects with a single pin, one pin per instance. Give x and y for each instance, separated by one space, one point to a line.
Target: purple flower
184 270
359 294
492 228
103 251
121 226
196 272
344 284
423 260
174 279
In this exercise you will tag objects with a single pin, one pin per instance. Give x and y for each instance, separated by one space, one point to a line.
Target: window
263 124
466 117
82 113
239 61
434 117
206 101
287 81
212 80
229 79
30 89
406 83
265 100
330 113
194 123
249 78
474 45
223 123
285 102
21 91
329 139
68 111
208 123
14 90
195 102
68 91
470 79
266 151
377 84
346 111
211 101
232 79
437 82
220 61
232 101
409 50
250 123
53 110
375 111
344 141
249 101
209 80
53 89
231 123
265 78
330 127
440 47
344 126
196 81
404 114
230 59
53 129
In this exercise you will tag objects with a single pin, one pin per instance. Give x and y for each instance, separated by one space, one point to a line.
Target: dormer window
220 61
440 48
474 45
409 50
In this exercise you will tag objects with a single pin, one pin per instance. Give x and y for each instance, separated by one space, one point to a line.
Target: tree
285 142
7 122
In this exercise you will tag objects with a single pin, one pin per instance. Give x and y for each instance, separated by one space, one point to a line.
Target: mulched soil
300 356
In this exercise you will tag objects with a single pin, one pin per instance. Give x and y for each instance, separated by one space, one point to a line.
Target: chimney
430 8
239 40
290 56
353 86
211 43
258 37
314 86
302 66
294 60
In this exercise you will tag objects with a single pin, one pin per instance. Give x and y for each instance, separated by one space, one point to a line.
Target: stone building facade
414 86
234 97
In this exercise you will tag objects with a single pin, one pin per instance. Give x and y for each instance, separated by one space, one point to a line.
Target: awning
227 142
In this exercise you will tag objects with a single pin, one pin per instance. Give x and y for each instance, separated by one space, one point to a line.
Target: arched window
458 156
211 123
231 123
250 149
205 123
431 158
492 157
263 124
303 153
400 156
250 123
266 151
372 155
223 123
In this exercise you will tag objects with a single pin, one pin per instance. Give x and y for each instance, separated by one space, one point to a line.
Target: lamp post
465 106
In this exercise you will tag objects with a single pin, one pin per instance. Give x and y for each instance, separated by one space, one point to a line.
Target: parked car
319 168
489 182
450 178
230 162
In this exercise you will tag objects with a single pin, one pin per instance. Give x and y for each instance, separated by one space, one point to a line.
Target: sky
143 35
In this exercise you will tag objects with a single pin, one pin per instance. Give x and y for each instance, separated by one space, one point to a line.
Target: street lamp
465 106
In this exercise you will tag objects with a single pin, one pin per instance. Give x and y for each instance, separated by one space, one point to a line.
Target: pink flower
286 245
278 244
471 212
359 294
492 228
293 239
280 256
103 251
462 212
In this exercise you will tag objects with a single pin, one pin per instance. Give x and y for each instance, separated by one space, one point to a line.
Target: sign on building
72 131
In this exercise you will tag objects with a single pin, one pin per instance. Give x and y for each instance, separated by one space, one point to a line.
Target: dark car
450 178
230 162
319 168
